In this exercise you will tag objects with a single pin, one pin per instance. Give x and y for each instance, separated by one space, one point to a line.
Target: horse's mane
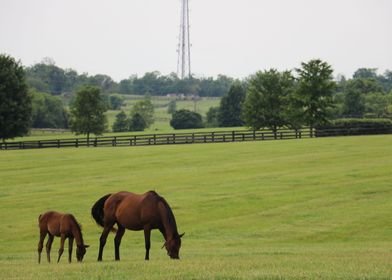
170 215
79 226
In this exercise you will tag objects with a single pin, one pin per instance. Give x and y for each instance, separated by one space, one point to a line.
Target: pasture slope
297 209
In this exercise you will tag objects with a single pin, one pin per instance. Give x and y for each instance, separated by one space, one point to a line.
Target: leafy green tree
365 73
376 105
116 101
364 85
230 106
125 86
314 92
184 119
213 117
87 112
172 107
122 123
353 103
48 111
15 101
137 123
47 77
267 99
146 109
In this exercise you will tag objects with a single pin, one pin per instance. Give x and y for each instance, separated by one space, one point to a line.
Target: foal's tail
97 210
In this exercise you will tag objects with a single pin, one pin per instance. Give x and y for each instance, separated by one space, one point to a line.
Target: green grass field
295 209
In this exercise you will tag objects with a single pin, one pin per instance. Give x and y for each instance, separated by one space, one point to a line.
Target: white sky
232 37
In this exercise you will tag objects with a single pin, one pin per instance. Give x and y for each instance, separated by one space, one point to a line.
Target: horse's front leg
147 235
42 235
102 241
117 241
49 246
61 250
70 245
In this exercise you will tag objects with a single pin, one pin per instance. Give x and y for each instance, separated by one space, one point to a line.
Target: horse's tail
39 218
97 210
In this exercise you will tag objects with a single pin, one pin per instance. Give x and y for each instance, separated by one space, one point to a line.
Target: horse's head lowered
80 252
173 246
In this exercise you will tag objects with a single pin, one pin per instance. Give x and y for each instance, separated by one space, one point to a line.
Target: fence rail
187 138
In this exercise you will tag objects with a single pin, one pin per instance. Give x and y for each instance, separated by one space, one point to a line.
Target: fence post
193 137
254 134
58 143
262 136
174 138
77 143
213 136
95 141
155 139
243 136
233 136
134 140
114 141
300 134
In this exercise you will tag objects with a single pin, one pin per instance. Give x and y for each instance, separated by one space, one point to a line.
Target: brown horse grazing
136 212
62 225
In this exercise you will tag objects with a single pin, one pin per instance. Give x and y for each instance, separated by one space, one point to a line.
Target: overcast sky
232 37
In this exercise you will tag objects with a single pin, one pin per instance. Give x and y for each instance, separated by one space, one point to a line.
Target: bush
355 127
184 119
137 123
122 123
116 101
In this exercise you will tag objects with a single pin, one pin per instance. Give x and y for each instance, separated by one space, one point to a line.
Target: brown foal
61 225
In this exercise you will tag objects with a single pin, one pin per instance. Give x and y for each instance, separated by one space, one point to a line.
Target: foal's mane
170 215
78 226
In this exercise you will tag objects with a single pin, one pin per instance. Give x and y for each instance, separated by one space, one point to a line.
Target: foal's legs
61 250
147 234
42 235
102 240
49 245
117 241
70 244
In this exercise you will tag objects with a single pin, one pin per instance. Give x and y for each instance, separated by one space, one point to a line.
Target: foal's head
80 252
173 246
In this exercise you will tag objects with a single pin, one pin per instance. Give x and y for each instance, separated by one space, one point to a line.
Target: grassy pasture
297 209
161 124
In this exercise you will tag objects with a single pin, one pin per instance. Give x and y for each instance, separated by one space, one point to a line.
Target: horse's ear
86 246
181 235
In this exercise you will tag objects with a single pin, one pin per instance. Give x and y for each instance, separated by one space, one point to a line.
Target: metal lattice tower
184 44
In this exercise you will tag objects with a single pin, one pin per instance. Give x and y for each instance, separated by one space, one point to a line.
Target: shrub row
355 127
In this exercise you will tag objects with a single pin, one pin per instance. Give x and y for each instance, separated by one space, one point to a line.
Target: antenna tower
184 44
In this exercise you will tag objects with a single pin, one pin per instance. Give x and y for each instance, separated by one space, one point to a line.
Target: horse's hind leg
42 235
147 234
61 250
117 241
70 244
49 245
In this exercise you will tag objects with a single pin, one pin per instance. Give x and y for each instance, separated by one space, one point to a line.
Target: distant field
295 209
162 122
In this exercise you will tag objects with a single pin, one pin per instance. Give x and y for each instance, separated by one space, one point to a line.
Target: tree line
309 96
47 77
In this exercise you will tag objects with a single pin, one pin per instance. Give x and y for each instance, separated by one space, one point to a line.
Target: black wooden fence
160 139
188 138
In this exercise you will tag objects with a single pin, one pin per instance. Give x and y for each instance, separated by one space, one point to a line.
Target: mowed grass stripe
298 209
